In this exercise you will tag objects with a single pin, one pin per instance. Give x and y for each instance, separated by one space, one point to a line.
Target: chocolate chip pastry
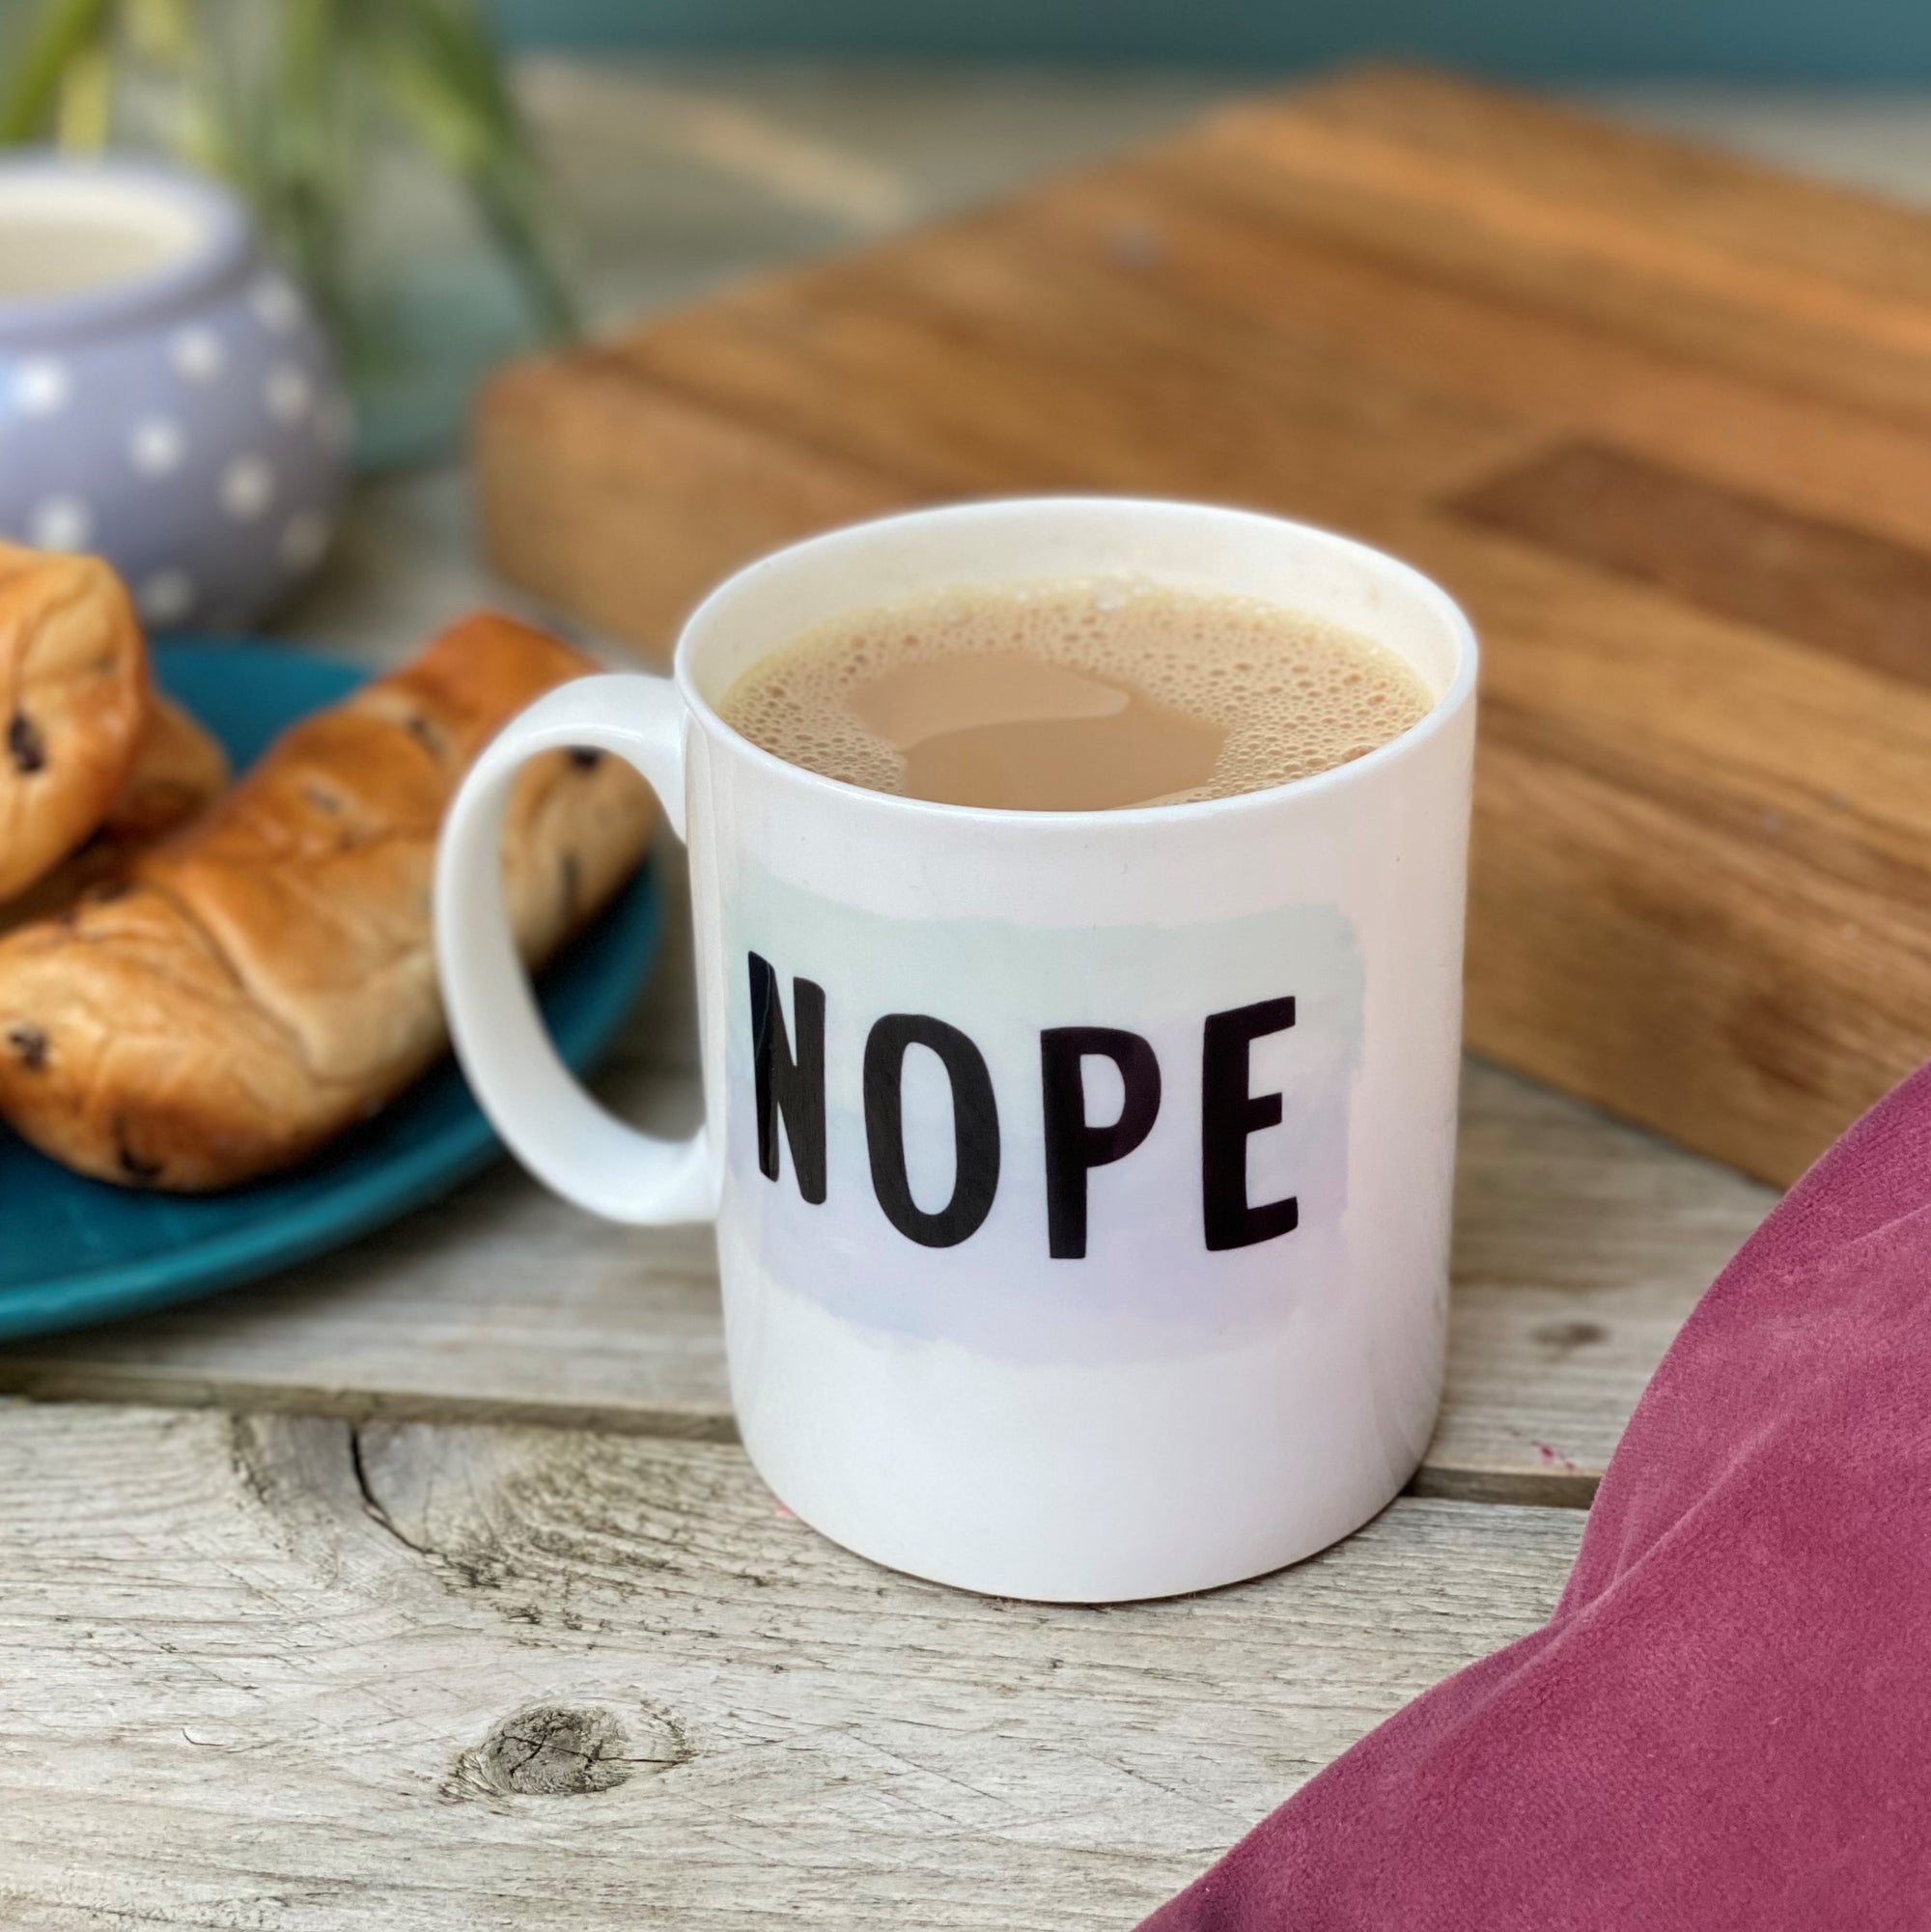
179 770
73 704
264 978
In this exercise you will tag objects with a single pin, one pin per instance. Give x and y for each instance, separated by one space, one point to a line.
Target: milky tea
1071 695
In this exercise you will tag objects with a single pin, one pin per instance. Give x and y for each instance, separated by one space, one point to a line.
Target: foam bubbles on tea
1075 695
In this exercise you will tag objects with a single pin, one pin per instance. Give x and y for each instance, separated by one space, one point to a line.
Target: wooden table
425 1587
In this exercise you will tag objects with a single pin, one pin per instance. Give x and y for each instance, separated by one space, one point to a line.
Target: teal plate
76 1252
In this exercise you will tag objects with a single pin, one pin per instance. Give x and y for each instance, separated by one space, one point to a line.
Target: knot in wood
1568 1335
561 1751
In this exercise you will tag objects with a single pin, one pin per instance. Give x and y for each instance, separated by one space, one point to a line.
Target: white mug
1081 1179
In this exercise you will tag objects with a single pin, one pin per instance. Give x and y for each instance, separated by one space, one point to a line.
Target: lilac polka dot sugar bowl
167 401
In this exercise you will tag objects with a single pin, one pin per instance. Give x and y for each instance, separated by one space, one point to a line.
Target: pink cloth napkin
1727 1721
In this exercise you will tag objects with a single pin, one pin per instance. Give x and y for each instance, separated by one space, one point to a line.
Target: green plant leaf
85 112
63 34
442 69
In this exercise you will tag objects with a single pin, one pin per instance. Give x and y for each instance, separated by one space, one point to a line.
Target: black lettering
1228 1114
975 1129
1073 1145
793 1088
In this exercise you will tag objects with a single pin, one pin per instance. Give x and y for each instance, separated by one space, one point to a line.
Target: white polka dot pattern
156 447
62 523
42 386
276 304
165 598
287 392
198 353
247 487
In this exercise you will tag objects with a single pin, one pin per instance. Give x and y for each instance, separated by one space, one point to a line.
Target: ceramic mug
1081 1179
167 398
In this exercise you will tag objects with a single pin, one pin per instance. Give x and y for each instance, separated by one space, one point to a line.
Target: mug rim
216 251
1454 699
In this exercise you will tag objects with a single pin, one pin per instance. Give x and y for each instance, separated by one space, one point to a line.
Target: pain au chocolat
73 706
266 978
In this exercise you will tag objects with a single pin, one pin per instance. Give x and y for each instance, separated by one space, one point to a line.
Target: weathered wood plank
1580 1245
296 1674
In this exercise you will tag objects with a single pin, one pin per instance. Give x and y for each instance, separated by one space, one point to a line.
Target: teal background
1851 42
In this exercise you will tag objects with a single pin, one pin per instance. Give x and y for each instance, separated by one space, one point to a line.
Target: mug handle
532 1100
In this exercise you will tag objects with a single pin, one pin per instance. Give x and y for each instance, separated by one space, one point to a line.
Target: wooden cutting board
1662 421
